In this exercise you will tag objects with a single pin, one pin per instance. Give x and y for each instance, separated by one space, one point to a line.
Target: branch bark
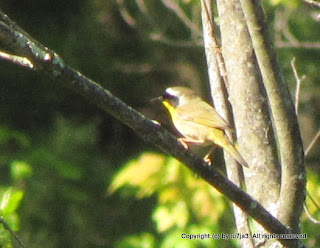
293 177
216 69
50 63
250 107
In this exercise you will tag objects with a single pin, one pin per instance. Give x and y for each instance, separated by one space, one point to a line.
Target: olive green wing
203 114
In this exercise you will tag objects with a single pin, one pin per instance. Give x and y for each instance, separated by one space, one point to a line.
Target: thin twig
23 61
144 10
314 220
216 45
297 98
298 82
286 13
314 140
156 34
313 3
8 228
174 6
305 45
176 43
282 30
310 217
129 19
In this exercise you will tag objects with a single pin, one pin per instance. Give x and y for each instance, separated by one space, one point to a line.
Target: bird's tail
232 150
219 137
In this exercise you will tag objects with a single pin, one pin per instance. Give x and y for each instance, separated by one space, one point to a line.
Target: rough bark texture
250 106
220 99
292 195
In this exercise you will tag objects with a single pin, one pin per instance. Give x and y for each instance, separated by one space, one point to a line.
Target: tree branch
218 91
284 38
298 85
50 63
249 104
312 143
16 59
313 3
174 5
293 176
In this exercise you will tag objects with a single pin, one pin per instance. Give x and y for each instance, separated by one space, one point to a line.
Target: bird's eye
169 97
174 100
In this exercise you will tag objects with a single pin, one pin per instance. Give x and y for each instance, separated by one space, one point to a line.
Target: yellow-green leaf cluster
182 196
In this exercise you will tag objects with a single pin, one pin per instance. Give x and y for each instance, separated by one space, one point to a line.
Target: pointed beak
157 99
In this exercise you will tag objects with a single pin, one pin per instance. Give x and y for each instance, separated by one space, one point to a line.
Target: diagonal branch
50 63
8 228
174 5
312 143
16 59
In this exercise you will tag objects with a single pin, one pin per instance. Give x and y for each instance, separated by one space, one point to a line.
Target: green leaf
5 238
143 173
13 221
174 240
144 240
69 171
10 200
287 3
20 170
167 216
7 135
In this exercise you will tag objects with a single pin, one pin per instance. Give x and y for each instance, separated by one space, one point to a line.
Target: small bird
198 121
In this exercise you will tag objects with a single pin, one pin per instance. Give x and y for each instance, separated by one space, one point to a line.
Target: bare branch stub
314 3
312 143
298 84
23 61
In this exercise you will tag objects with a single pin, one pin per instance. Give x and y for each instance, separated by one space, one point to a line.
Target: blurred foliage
11 194
185 203
59 153
286 3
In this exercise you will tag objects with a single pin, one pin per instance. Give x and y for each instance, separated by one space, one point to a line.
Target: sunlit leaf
287 3
205 231
208 204
144 240
174 239
180 193
167 216
169 194
172 171
143 173
181 214
5 238
10 200
314 191
20 170
13 221
162 217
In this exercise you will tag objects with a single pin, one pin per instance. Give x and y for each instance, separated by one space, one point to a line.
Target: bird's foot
207 159
183 143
